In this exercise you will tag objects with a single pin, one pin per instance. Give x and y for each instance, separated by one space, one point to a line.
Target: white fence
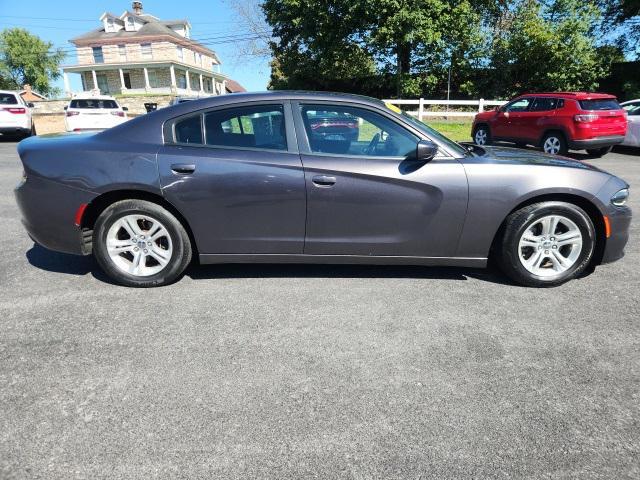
421 112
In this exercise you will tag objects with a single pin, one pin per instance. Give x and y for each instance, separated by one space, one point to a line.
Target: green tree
26 59
546 47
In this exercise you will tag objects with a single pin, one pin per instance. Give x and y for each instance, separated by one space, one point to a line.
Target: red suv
556 122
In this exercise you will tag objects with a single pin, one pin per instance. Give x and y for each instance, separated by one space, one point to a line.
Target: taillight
588 117
71 113
118 114
16 110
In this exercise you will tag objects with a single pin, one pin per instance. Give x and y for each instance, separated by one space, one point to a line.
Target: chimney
27 88
137 7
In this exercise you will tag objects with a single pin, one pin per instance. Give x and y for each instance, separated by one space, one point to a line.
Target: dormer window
110 25
131 23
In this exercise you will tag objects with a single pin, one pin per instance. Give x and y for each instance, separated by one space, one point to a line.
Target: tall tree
26 59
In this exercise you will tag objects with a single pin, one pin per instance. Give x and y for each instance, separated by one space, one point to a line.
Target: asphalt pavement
315 371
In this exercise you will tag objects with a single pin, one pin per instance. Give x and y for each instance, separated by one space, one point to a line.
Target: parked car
632 107
93 112
334 127
147 196
557 122
15 115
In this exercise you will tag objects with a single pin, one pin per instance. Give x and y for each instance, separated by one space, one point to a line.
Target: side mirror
66 107
30 105
426 150
125 109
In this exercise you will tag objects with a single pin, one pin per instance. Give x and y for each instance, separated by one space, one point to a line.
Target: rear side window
255 126
544 104
600 104
189 130
8 99
93 103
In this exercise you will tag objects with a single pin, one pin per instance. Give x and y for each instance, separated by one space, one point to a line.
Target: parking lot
315 371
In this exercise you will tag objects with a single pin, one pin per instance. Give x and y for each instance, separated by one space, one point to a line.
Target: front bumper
597 142
48 213
619 221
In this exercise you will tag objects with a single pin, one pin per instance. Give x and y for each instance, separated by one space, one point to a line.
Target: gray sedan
252 178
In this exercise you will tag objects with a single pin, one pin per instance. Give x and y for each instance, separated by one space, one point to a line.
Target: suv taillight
588 117
72 113
17 110
118 114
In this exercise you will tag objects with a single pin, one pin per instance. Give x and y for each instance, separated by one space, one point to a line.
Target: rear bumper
48 213
597 142
14 130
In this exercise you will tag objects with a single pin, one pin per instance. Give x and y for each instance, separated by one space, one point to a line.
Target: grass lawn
457 130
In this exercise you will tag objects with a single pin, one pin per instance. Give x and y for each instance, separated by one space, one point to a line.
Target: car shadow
57 262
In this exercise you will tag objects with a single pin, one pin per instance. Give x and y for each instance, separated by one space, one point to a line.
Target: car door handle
183 168
323 180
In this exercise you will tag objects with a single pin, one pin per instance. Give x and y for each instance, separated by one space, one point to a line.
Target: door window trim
168 128
303 140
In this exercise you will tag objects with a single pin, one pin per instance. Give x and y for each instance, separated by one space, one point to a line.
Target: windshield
456 147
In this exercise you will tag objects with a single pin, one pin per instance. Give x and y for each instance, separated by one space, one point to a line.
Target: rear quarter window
93 103
599 104
8 99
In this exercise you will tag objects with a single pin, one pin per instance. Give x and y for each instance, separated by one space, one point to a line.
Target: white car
15 115
95 112
632 107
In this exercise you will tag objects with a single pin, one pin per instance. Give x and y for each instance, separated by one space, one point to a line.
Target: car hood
512 156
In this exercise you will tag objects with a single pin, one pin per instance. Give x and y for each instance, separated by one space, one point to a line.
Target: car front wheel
546 244
482 135
140 244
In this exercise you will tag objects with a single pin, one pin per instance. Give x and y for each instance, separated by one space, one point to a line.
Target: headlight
619 198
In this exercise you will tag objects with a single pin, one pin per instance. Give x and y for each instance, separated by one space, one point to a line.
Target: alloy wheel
552 145
480 136
550 245
139 245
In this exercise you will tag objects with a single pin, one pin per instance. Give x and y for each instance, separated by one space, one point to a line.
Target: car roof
12 92
630 101
93 97
575 95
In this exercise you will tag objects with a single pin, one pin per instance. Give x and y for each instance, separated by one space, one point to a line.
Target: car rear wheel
599 152
554 143
546 244
482 135
140 244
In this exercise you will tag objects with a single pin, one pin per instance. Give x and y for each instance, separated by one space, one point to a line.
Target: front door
365 195
509 118
236 175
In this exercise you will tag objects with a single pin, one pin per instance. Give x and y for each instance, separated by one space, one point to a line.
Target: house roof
152 27
32 92
234 87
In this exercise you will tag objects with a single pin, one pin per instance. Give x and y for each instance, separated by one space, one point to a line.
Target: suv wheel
140 244
598 152
482 135
546 244
554 143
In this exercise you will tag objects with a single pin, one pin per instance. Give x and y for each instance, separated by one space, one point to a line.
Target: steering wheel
371 148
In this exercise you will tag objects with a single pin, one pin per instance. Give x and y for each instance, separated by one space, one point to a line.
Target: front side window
98 57
145 48
520 105
338 129
189 130
255 126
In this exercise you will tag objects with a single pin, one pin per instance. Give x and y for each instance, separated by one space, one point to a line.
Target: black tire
521 144
487 132
507 254
561 141
598 152
180 257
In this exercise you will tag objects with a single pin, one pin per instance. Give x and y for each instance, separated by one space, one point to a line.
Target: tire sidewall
561 139
487 131
572 212
180 256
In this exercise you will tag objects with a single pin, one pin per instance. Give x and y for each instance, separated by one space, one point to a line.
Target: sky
214 20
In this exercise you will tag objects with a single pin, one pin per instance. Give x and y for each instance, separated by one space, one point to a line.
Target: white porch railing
421 112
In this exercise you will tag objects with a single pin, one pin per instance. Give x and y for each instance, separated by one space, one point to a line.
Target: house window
98 57
122 50
131 23
181 79
110 25
180 53
145 48
103 83
155 79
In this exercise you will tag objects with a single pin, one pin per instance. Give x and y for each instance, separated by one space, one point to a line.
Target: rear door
540 114
235 173
365 196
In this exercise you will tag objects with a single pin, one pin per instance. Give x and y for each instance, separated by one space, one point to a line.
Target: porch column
201 84
95 79
122 86
146 79
224 87
67 88
188 80
173 77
